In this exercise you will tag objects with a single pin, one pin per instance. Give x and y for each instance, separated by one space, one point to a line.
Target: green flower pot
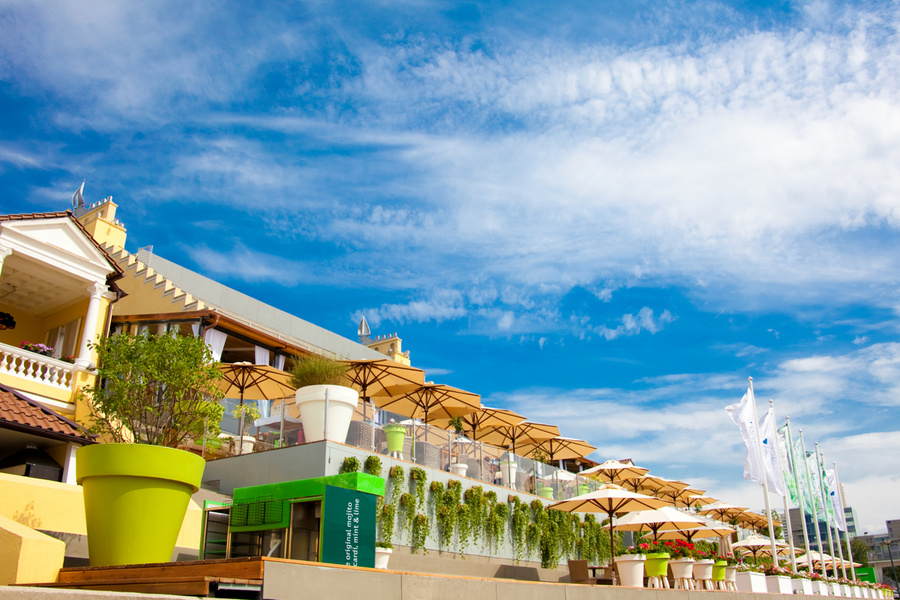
656 564
545 492
135 499
582 489
718 573
395 436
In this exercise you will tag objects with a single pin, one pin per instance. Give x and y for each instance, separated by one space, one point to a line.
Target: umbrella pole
281 429
325 423
205 430
612 550
241 428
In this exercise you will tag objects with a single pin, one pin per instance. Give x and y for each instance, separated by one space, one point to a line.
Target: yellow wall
100 223
27 328
28 556
52 506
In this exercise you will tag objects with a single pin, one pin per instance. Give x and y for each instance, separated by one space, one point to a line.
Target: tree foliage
156 390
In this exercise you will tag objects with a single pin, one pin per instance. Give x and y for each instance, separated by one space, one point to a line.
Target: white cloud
440 305
633 325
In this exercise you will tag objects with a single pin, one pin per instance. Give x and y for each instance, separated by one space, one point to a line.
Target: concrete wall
35 593
292 581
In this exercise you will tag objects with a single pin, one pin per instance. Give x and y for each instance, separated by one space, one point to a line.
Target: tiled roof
23 414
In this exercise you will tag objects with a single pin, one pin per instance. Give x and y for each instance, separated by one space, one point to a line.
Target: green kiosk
323 519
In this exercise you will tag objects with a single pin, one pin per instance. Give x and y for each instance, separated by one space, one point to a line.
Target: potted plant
383 551
703 566
396 437
630 565
749 579
456 467
326 405
151 394
656 564
681 560
245 414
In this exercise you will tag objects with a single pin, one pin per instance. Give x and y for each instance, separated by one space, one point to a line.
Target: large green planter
582 489
657 564
135 499
395 435
545 492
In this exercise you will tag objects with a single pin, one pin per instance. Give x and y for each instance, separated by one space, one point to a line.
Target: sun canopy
558 448
615 471
513 436
661 519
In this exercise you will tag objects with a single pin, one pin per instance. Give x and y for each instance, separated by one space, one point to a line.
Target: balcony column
96 290
4 252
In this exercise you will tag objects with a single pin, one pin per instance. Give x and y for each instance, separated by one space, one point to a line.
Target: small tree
156 390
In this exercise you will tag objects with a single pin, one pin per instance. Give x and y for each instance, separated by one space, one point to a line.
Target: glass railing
442 450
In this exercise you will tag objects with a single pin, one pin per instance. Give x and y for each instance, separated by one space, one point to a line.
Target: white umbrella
661 519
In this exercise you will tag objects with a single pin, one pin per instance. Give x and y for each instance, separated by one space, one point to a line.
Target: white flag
837 503
744 417
770 453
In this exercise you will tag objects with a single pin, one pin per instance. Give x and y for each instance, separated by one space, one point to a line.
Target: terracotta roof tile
23 414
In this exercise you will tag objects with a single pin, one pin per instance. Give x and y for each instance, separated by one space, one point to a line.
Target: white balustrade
36 367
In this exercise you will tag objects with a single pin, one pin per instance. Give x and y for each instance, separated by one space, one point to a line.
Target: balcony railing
38 368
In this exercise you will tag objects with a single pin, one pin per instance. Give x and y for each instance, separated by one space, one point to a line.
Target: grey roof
235 304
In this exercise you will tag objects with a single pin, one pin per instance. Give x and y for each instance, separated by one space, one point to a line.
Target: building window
64 339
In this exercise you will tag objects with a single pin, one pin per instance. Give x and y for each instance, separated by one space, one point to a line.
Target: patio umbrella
431 401
755 544
483 418
692 500
558 448
691 534
246 381
613 471
610 500
672 490
383 377
523 433
722 511
660 486
661 519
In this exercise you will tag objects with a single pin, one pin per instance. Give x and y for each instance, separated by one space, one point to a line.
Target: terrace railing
24 364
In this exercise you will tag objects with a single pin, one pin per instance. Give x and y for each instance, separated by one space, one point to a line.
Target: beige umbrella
558 448
660 486
691 534
672 492
483 418
523 433
693 500
610 500
614 471
247 381
722 511
654 521
432 401
756 544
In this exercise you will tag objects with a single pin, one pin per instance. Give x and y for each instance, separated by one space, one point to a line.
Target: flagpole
826 503
837 525
793 459
840 491
815 516
787 514
762 468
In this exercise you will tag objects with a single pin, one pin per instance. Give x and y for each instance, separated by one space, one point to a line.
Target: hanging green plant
420 477
464 527
396 474
386 525
350 465
408 510
373 465
474 500
521 517
532 538
498 517
419 533
437 488
446 521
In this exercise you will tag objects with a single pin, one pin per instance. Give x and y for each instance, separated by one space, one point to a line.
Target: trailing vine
396 474
521 517
419 533
388 515
373 466
408 508
475 503
350 465
420 477
464 527
497 518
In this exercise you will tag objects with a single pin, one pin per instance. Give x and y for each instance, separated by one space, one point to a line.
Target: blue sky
605 215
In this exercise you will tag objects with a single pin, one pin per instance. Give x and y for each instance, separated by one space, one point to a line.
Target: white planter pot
342 403
382 556
703 569
730 574
802 586
508 472
835 589
248 444
779 584
682 568
821 588
750 581
459 469
631 570
846 591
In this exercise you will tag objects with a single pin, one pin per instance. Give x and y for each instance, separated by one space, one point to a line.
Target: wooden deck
230 577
